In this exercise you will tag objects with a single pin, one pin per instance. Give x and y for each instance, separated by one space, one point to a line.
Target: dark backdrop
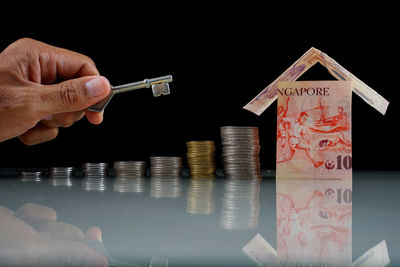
220 58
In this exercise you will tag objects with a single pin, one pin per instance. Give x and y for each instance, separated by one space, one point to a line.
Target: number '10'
344 195
344 162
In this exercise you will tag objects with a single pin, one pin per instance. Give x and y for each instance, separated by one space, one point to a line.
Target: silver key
158 85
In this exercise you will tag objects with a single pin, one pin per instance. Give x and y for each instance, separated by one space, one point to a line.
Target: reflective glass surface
167 221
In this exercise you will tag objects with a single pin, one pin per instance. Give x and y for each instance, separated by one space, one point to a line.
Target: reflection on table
207 221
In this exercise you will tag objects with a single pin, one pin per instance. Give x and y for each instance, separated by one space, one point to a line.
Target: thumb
74 95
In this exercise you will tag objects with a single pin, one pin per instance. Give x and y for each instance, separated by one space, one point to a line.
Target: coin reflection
240 204
165 187
95 175
31 176
129 184
94 183
61 176
200 196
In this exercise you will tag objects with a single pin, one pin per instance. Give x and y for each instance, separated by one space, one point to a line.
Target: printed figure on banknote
296 133
314 129
339 125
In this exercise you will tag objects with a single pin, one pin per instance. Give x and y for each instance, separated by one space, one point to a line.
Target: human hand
33 101
32 237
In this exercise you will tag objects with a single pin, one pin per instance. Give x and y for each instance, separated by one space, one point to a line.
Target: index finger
68 64
45 64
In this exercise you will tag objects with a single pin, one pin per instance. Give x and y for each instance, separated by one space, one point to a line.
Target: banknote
314 130
377 256
314 219
264 99
259 250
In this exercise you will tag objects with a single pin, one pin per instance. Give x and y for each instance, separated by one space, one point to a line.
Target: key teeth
160 89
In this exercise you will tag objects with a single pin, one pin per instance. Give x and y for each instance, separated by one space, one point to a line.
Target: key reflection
314 222
240 204
200 196
165 187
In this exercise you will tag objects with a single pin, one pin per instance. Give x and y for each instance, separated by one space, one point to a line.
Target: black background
220 56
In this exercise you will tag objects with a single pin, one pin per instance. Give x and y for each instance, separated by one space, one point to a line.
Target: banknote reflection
240 204
200 196
314 222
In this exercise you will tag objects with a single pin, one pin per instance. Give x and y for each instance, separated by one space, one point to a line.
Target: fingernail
97 86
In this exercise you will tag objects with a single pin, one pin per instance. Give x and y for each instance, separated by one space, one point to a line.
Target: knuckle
69 95
24 40
88 60
23 43
31 139
67 121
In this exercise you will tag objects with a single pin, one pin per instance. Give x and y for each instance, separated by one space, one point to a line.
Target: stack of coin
31 176
94 176
240 204
131 184
201 158
61 176
200 196
165 187
130 169
94 170
240 149
166 166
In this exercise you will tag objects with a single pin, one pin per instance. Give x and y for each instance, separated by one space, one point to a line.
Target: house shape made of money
328 147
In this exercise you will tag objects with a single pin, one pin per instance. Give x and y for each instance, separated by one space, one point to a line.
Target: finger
69 64
60 231
4 210
48 63
35 214
93 233
64 64
62 119
94 117
94 240
38 134
72 95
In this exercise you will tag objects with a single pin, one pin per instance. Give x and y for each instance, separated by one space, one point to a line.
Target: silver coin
94 165
237 128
